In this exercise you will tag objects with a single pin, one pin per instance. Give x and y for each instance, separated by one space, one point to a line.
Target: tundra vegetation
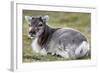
75 20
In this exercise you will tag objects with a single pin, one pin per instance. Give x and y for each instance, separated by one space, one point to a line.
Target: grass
79 21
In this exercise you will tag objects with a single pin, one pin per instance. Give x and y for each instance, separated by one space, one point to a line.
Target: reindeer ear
28 18
45 18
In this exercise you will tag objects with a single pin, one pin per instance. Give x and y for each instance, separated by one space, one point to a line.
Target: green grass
79 21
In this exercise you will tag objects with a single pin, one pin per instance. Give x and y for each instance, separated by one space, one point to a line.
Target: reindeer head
36 25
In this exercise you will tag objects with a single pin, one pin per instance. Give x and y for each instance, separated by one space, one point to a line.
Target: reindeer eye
40 25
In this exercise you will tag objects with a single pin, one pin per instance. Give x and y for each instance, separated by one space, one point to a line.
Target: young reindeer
65 42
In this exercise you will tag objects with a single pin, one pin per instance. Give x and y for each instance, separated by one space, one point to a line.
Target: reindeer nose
32 33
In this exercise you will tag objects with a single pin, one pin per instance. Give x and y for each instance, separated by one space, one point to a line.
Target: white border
17 37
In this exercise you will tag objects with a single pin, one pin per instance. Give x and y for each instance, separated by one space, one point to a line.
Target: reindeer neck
45 37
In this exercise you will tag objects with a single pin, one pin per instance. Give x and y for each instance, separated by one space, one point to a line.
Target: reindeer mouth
31 35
